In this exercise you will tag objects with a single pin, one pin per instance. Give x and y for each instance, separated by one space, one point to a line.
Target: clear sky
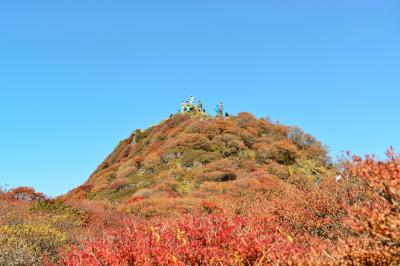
76 77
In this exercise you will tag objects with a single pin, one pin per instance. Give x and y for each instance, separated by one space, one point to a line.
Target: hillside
196 156
197 190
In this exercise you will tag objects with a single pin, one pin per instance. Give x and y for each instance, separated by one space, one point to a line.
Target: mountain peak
189 152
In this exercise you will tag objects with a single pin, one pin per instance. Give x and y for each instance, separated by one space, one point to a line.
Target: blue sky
78 76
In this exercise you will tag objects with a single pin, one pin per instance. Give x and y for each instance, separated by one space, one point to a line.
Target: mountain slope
200 156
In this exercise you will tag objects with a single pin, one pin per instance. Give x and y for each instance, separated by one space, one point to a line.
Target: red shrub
134 199
208 240
190 140
210 207
283 152
377 220
25 194
138 161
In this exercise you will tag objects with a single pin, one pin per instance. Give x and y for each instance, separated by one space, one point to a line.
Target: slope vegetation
197 190
200 157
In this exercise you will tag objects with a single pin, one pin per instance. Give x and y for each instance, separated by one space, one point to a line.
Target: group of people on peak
188 107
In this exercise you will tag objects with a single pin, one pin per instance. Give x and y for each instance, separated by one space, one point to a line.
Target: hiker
200 106
221 108
217 110
183 106
191 100
187 106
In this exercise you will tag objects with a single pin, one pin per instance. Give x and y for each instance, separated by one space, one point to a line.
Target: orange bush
377 221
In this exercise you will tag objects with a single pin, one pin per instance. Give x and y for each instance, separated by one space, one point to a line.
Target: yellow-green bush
60 215
28 244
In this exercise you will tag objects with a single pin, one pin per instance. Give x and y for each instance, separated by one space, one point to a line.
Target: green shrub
191 156
278 170
184 188
210 157
62 215
228 144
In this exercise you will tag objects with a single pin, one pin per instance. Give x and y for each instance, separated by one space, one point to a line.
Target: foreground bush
28 244
377 222
33 227
283 225
208 240
374 217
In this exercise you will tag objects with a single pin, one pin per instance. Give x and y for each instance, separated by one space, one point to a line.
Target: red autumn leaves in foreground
209 240
35 229
203 191
217 239
376 221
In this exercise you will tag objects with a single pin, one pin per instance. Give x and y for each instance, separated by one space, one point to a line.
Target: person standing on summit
191 100
188 106
200 106
221 108
183 106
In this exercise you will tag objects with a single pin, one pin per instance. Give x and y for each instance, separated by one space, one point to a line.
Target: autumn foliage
205 191
377 222
188 240
188 151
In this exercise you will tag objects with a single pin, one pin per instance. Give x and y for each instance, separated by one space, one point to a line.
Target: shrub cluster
184 144
258 219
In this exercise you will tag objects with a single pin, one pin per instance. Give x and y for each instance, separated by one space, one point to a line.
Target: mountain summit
198 156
